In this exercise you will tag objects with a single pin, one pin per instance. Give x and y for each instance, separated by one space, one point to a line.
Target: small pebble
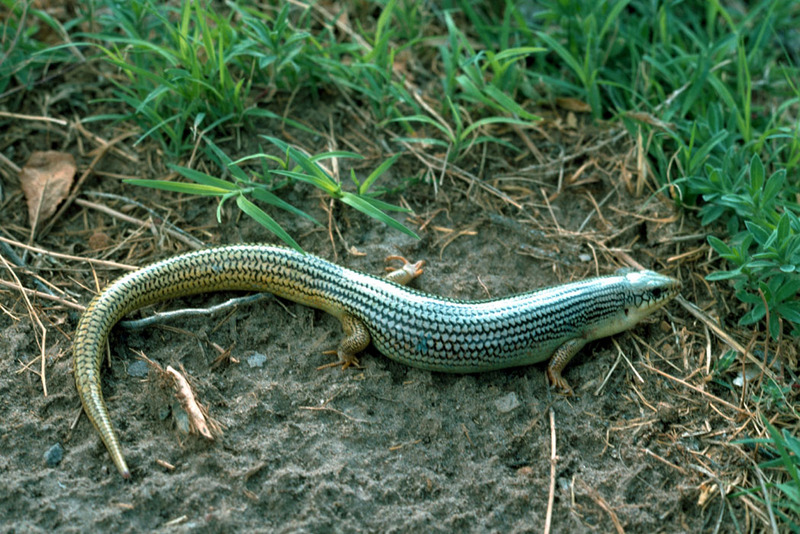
181 419
256 360
54 455
507 403
138 369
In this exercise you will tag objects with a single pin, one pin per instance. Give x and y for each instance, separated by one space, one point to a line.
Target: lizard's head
649 291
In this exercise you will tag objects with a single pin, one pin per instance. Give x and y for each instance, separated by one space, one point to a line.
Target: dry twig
190 404
35 319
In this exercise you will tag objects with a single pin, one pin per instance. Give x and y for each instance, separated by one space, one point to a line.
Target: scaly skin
409 326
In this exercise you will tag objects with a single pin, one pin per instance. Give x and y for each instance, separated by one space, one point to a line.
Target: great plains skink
412 327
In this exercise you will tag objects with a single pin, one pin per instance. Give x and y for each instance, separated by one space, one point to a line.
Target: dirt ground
384 448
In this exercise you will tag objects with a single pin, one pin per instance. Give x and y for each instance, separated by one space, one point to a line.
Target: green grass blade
260 216
315 175
566 57
179 187
364 205
272 199
202 178
382 168
445 129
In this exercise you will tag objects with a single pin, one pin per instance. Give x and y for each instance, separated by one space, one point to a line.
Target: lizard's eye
656 293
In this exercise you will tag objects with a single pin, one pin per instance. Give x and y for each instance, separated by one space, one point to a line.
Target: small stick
166 465
601 502
610 372
724 336
553 461
60 122
176 521
189 403
664 461
35 319
698 390
159 317
550 209
153 213
103 263
190 241
67 303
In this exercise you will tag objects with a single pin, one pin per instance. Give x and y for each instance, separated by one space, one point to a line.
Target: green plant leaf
774 186
513 54
790 311
780 443
364 205
756 174
335 154
756 313
314 173
374 175
565 56
761 234
226 162
508 104
266 221
313 180
612 16
180 187
783 226
423 141
202 178
723 275
273 200
719 245
427 120
384 206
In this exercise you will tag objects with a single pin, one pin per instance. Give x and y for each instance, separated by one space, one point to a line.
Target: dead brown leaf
46 180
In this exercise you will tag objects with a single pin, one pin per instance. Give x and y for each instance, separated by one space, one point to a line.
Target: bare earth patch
382 448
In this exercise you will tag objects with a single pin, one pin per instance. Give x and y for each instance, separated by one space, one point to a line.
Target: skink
412 327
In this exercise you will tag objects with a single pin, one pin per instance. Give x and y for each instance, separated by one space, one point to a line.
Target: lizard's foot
344 362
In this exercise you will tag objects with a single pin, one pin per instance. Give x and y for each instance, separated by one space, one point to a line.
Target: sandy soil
385 448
